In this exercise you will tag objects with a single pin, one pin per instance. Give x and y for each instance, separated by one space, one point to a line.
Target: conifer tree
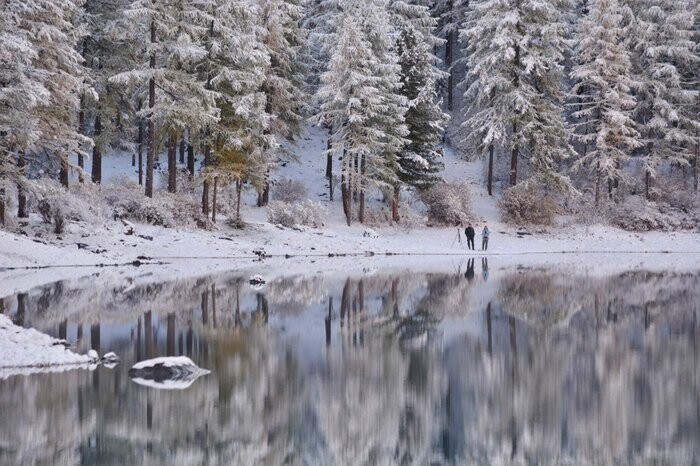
42 78
285 42
513 91
419 161
177 99
358 100
663 57
603 89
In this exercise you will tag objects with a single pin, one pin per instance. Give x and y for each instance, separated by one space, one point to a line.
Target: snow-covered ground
189 252
25 350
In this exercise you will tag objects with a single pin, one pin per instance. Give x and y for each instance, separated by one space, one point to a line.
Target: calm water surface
470 365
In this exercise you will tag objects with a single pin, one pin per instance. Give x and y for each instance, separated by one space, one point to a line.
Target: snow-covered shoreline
26 350
25 263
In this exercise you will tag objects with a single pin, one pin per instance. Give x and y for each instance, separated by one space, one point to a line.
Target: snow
166 361
27 348
181 252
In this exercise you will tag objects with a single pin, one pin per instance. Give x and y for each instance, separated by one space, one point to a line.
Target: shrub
287 190
448 203
527 204
635 213
290 214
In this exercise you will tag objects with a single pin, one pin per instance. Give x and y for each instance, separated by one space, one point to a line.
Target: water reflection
525 366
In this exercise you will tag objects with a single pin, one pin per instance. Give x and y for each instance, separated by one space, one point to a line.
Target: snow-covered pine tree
357 99
320 21
105 49
450 15
663 57
515 50
177 99
285 41
603 93
419 161
42 78
234 67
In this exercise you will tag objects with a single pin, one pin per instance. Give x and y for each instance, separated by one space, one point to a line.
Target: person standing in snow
470 233
485 238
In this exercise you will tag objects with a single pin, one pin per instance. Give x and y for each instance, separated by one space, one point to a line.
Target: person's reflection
469 274
485 268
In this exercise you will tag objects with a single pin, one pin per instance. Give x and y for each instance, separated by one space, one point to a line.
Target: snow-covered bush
526 204
448 203
409 218
635 213
287 190
56 204
126 200
289 214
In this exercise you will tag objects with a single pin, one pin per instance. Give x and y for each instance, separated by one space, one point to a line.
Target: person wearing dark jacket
470 233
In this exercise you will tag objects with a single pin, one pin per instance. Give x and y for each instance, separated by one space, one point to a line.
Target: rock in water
94 357
170 373
110 357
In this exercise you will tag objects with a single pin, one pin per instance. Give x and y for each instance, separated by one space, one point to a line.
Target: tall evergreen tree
177 99
234 68
285 41
42 78
603 93
358 101
513 91
419 161
663 57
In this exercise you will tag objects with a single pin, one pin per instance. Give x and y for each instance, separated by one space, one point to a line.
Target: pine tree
513 91
450 15
603 93
419 161
358 101
177 99
41 77
234 67
285 41
663 57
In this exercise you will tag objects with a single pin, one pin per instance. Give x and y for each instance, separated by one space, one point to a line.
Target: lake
469 363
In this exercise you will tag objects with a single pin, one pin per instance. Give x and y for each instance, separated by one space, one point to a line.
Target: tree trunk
597 185
190 159
239 188
182 150
81 130
213 200
329 164
362 189
97 152
449 45
489 178
264 194
346 189
516 83
647 183
395 204
355 181
64 171
514 163
2 206
21 195
172 162
696 167
150 156
140 141
205 185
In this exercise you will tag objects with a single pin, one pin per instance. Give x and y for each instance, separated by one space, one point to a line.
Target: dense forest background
575 106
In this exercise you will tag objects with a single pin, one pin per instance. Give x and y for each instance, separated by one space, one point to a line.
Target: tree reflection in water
520 367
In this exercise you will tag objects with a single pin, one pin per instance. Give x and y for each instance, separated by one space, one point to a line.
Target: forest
584 107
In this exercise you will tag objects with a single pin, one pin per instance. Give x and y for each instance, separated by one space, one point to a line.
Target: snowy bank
33 351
